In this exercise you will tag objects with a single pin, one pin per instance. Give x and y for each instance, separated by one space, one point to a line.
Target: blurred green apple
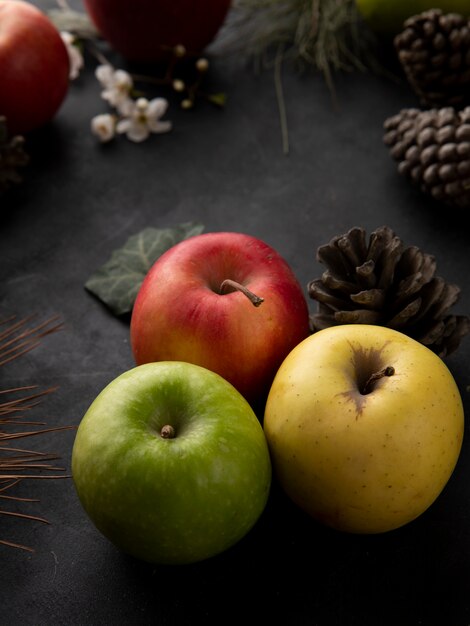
386 17
171 464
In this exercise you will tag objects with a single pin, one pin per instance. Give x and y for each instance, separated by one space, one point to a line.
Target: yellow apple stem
252 297
386 371
167 432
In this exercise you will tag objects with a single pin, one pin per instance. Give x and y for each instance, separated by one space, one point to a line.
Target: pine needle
15 545
323 34
281 103
18 337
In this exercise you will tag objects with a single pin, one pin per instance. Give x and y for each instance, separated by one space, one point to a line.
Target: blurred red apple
34 67
194 306
144 30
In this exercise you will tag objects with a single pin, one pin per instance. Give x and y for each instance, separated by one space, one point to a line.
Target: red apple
34 67
143 30
185 311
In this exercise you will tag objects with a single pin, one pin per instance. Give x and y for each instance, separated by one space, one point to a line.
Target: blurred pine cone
382 282
433 149
12 157
434 51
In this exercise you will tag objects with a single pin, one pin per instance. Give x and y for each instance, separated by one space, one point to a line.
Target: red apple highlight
144 30
193 306
34 67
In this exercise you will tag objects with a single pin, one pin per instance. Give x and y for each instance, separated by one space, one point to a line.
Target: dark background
225 168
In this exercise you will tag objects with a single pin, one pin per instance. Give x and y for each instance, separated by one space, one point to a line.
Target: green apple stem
167 432
252 297
386 371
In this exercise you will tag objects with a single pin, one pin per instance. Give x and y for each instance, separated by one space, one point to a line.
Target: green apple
364 426
171 464
386 17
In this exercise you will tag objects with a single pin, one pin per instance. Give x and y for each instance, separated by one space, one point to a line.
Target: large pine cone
433 149
434 51
382 282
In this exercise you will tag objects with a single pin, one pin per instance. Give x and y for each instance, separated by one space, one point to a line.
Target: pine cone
434 51
384 283
12 156
433 149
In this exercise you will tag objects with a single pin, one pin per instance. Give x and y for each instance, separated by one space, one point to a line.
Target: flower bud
202 64
104 127
178 85
179 51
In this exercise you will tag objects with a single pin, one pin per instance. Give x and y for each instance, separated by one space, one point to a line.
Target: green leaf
118 281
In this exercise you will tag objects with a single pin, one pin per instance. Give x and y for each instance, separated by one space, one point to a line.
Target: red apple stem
386 371
167 432
252 297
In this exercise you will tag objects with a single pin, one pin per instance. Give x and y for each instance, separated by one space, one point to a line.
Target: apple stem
252 297
167 432
386 371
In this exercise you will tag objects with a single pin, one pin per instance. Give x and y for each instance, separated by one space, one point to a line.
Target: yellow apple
386 17
364 426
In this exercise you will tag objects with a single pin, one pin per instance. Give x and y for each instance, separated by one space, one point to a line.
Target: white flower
144 118
104 127
117 85
75 55
105 74
134 118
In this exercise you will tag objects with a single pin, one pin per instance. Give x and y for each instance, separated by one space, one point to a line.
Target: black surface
79 202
